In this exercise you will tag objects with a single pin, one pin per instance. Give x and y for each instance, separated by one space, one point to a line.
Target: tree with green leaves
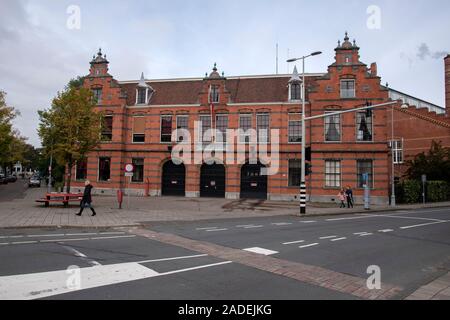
8 136
71 128
435 164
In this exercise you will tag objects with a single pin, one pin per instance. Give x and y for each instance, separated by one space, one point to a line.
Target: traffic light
308 169
368 111
308 153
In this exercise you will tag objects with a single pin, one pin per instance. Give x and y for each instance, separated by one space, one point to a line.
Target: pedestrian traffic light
308 154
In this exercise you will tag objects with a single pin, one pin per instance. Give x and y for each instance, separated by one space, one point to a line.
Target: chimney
373 69
447 85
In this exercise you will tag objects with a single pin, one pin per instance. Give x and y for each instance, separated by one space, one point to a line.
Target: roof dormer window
143 92
142 95
295 86
214 94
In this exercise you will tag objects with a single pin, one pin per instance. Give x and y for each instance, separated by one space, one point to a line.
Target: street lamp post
303 165
393 202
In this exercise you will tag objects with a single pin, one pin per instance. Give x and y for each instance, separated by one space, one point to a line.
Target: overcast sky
39 53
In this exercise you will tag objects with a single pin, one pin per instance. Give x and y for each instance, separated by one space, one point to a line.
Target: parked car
3 179
11 178
35 181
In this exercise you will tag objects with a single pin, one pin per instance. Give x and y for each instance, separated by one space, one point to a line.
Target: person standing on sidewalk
342 197
86 202
349 194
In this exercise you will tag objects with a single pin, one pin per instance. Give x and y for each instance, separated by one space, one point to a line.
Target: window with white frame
221 127
182 125
397 151
295 128
166 129
296 91
332 128
295 172
205 129
365 167
138 129
245 124
332 173
348 89
141 96
262 127
97 92
364 126
214 94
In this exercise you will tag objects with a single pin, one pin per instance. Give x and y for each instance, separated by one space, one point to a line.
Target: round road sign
129 168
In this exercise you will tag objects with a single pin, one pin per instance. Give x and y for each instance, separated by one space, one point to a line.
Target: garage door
253 183
173 179
212 181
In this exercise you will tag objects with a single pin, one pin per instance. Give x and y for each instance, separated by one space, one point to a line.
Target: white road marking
282 224
117 237
309 245
200 229
423 225
262 251
63 240
308 221
386 230
80 234
111 233
245 225
339 239
329 237
174 258
366 234
253 227
45 235
83 256
46 284
195 268
360 233
413 218
24 242
352 218
214 230
294 242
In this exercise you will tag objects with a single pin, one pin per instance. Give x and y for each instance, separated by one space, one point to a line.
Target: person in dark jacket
349 194
86 202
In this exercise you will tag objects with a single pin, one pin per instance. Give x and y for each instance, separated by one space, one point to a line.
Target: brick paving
314 275
25 212
439 289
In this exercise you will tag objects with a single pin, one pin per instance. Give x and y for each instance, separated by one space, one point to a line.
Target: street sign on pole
129 174
129 167
424 181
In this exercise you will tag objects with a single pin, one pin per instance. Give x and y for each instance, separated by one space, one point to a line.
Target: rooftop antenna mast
277 60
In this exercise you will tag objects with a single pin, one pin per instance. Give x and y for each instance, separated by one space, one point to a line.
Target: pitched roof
246 89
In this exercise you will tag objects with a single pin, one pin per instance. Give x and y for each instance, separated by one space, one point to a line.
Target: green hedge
438 191
410 191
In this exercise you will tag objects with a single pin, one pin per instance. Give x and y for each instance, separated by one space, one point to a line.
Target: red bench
64 198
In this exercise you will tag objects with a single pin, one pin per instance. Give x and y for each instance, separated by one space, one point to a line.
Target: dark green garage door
253 183
212 181
173 179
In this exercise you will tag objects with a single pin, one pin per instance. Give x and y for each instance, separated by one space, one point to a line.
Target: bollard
120 198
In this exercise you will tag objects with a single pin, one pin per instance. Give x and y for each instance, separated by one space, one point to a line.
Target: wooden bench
64 198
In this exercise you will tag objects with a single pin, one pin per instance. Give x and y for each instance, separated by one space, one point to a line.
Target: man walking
86 202
349 194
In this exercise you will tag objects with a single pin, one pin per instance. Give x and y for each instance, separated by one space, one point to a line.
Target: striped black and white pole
303 198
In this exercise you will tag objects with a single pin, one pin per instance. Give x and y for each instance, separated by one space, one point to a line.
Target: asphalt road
412 248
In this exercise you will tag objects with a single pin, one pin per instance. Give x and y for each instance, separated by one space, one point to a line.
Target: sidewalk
27 213
439 289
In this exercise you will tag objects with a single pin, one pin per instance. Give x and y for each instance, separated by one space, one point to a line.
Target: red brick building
140 117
